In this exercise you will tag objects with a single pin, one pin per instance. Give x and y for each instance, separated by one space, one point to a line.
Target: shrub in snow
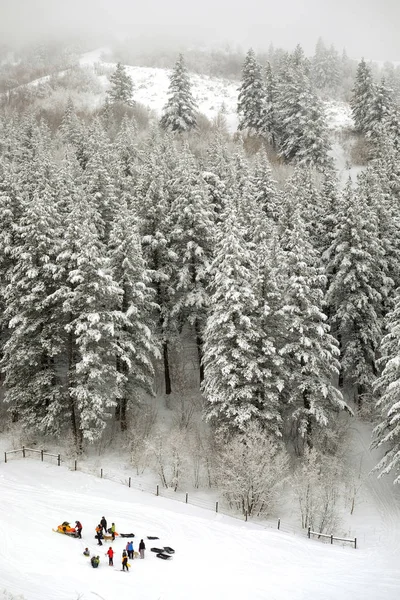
317 485
251 470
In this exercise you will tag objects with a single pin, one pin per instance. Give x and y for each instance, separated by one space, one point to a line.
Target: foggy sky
364 27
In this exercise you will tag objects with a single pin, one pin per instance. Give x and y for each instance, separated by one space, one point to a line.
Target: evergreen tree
269 124
354 296
310 352
134 346
179 113
32 386
232 373
303 133
380 110
121 90
192 241
362 98
252 96
387 388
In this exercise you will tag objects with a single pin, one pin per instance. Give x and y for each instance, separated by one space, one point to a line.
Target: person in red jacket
110 554
78 529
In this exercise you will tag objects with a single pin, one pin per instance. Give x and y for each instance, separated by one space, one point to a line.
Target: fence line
24 450
331 537
173 495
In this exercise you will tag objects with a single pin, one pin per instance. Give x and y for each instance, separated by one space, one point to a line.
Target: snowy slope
216 557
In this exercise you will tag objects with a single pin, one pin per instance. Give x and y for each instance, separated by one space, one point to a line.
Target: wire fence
216 506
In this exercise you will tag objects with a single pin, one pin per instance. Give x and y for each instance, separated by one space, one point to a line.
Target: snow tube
152 537
158 550
169 550
130 535
163 556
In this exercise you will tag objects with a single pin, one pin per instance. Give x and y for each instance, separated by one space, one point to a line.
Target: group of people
103 526
127 553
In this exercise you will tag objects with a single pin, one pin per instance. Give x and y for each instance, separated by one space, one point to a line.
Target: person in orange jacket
99 535
110 554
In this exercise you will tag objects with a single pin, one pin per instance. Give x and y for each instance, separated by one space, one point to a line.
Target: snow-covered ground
216 556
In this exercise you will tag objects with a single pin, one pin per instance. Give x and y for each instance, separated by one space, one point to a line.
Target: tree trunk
167 374
199 344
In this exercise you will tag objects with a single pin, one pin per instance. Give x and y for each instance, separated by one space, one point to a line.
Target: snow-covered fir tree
363 96
309 350
355 293
303 133
135 346
232 376
121 90
387 390
192 240
252 96
179 114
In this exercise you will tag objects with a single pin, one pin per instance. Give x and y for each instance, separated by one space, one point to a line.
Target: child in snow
113 531
110 554
142 548
86 552
125 561
95 560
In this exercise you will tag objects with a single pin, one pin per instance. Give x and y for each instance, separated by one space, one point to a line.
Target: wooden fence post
355 543
23 451
75 465
279 523
245 515
216 507
186 499
59 459
129 482
101 473
331 538
309 532
157 492
41 455
5 456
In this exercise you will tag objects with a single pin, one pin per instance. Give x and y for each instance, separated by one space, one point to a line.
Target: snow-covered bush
317 484
251 470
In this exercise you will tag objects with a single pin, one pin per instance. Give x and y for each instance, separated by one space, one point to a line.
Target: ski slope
216 557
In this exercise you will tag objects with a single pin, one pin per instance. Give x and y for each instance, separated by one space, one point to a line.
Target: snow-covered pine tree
252 97
363 96
379 111
32 386
121 90
232 377
264 186
90 296
134 346
354 297
387 389
155 231
269 127
309 350
179 114
303 133
192 240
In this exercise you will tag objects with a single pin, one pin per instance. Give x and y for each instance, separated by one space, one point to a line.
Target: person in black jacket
95 560
142 548
125 561
103 523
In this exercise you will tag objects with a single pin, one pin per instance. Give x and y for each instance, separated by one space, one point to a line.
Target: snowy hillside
216 557
212 95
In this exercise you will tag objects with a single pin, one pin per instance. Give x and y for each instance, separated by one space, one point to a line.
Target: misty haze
199 300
